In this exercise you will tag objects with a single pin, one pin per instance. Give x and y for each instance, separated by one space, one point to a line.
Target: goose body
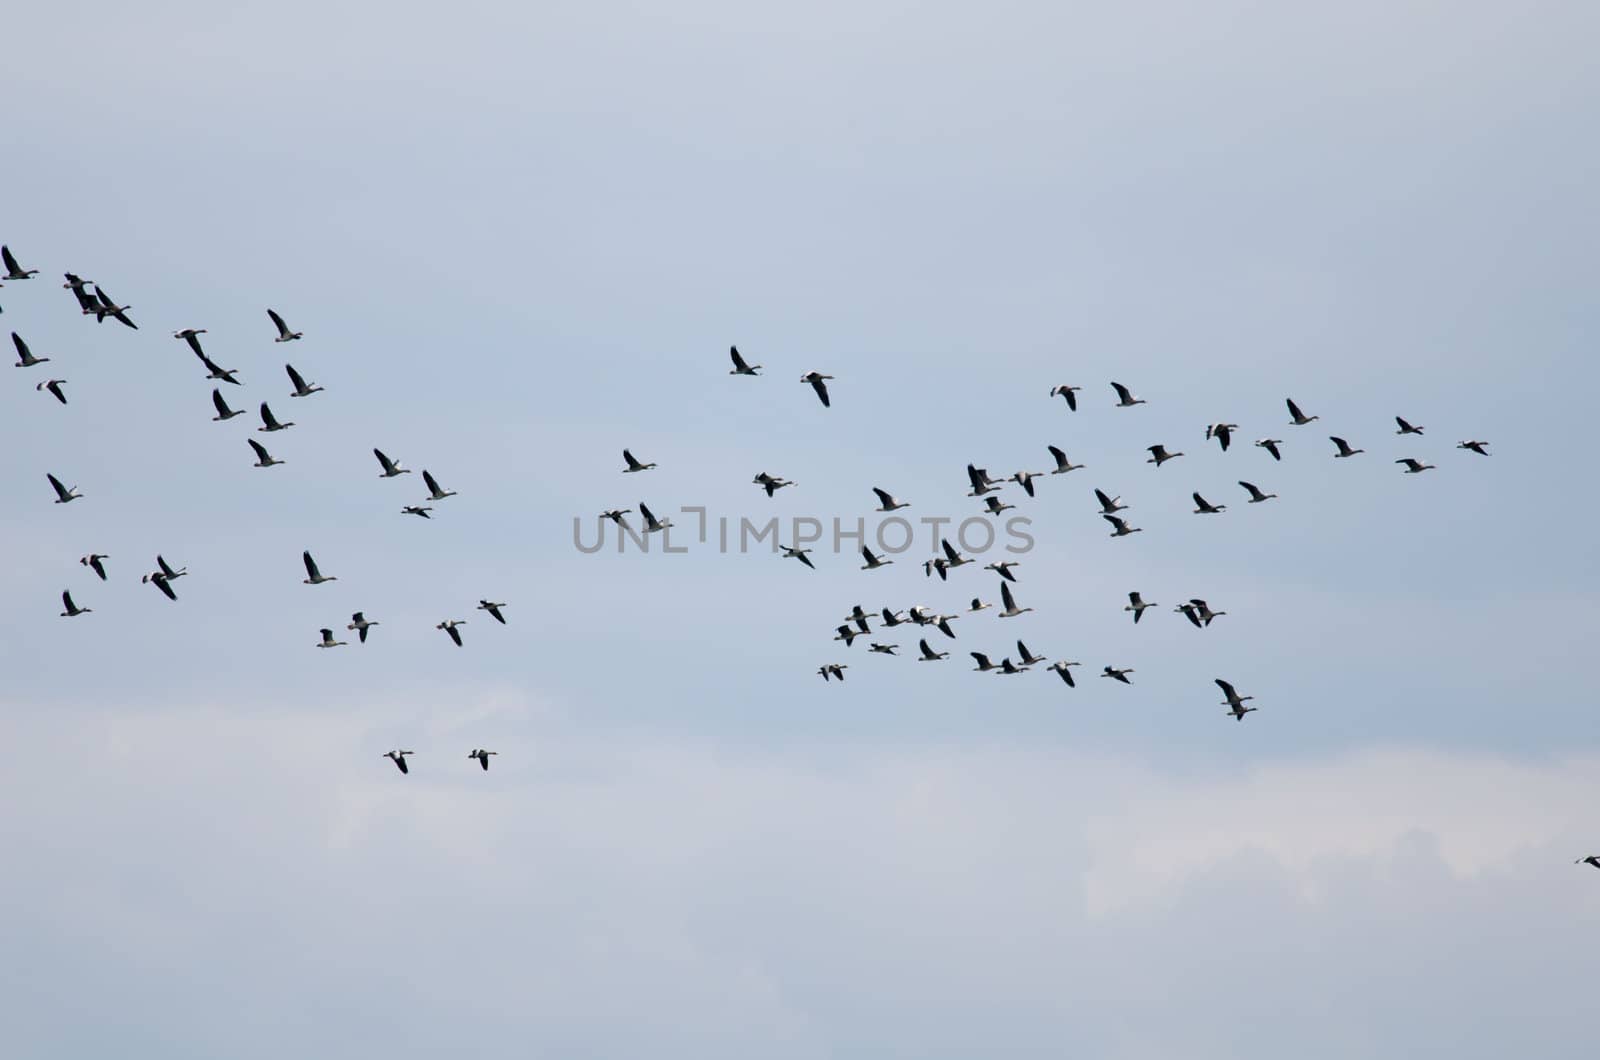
1592 859
397 757
1125 398
1474 446
1159 455
887 501
799 554
54 386
1011 608
72 609
1063 464
13 270
772 483
284 334
1234 701
616 515
213 369
449 626
873 562
828 670
651 523
1137 605
883 649
1070 393
928 654
1223 433
434 492
417 509
493 609
1343 447
301 387
108 308
263 458
63 494
952 558
1187 611
739 365
1003 569
25 357
1203 609
1414 467
313 575
223 411
1406 428
390 468
1064 671
1120 527
92 561
1296 417
984 665
1256 496
994 505
1025 480
633 464
328 641
269 422
847 634
1271 446
482 757
1205 507
360 624
1027 657
1117 675
1109 505
981 482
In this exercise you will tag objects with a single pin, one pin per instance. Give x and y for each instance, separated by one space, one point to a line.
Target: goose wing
1227 689
261 450
61 491
884 499
10 262
1294 410
283 329
429 481
383 461
1060 457
66 601
738 361
165 586
1006 598
803 558
221 405
630 461
295 377
311 566
949 549
22 347
1105 502
455 634
1072 398
1255 493
267 419
822 391
1123 393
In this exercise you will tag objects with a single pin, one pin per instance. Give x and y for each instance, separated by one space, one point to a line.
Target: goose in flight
1344 447
1109 505
936 565
1003 569
1476 447
981 482
847 634
1204 611
1205 507
390 468
108 308
263 458
1125 398
1012 610
828 670
984 665
163 583
772 483
651 523
995 505
1406 428
434 492
1120 527
313 575
952 558
63 494
1006 667
482 756
13 270
1413 466
54 386
1063 465
79 287
1068 392
417 509
25 357
213 370
887 502
928 654
739 367
1137 605
92 561
883 649
1592 859
873 562
616 515
799 554
817 384
1027 657
163 576
493 609
860 618
72 609
633 465
1256 496
397 757
223 411
942 624
1117 675
1187 611
1025 480
977 605
1223 433
192 337
269 422
328 641
359 623
921 615
449 626
1296 417
1159 455
301 388
1064 669
1271 446
1234 702
284 334
892 618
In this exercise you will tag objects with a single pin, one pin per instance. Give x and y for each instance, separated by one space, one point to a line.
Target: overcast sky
518 239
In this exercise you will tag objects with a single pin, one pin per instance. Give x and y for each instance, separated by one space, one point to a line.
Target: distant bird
833 670
390 468
1223 433
772 483
981 482
1064 669
1592 859
633 465
995 505
739 367
984 665
977 605
25 356
1027 657
434 492
213 370
1117 675
1012 610
1344 447
1003 569
952 558
162 583
493 609
1256 496
163 577
63 494
873 562
1068 392
1296 417
1025 480
449 626
360 624
936 565
263 458
54 386
1476 447
284 334
892 618
108 308
313 575
884 649
13 270
817 384
1109 505
860 618
301 388
1271 446
921 615
1120 527
1406 428
1137 605
223 411
847 634
1159 455
482 756
1006 667
1125 398
1205 507
80 290
1234 702
397 757
1414 467
1204 611
417 509
928 654
192 337
1187 611
887 502
269 422
799 554
72 609
328 641
1063 465
92 561
651 523
942 624
616 515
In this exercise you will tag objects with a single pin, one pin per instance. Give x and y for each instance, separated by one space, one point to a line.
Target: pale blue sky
519 239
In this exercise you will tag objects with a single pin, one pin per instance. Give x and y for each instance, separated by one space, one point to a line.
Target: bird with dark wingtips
1027 657
72 609
482 757
1474 446
63 494
994 505
1204 610
1064 670
80 290
360 624
981 482
434 492
284 334
263 458
449 626
816 379
1003 569
313 575
1296 417
269 422
223 411
397 757
54 386
1063 465
984 665
772 483
1343 446
1109 505
1137 604
1271 446
25 357
301 387
92 561
633 464
1125 398
1070 393
13 270
1117 675
1223 433
1256 496
192 337
1592 859
833 670
873 562
1011 608
108 308
1159 455
1406 428
883 649
651 523
1188 611
1120 527
328 641
390 468
847 634
739 365
1205 507
1234 702
493 609
1025 480
928 654
417 509
799 554
1414 466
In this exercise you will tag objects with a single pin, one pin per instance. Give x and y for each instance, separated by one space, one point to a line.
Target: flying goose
616 515
921 615
390 468
1025 480
1012 610
328 641
54 386
449 626
397 757
937 565
847 634
996 505
163 576
928 654
92 561
977 605
651 523
417 509
1137 605
213 370
434 492
1205 507
1006 667
1159 455
1120 526
301 389
1256 496
1125 398
79 287
1027 657
860 618
892 618
1414 467
1296 417
1068 392
833 670
873 562
952 558
160 581
482 756
1592 859
63 495
799 554
1065 670
493 609
739 367
1204 611
633 465
1003 569
1271 446
26 359
72 609
1406 428
772 483
269 422
313 575
1187 611
1063 465
1234 702
817 384
984 665
1109 505
108 308
192 337
263 458
942 624
887 502
359 623
13 270
883 649
1223 433
1476 447
1117 675
223 411
1344 447
284 334
981 482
